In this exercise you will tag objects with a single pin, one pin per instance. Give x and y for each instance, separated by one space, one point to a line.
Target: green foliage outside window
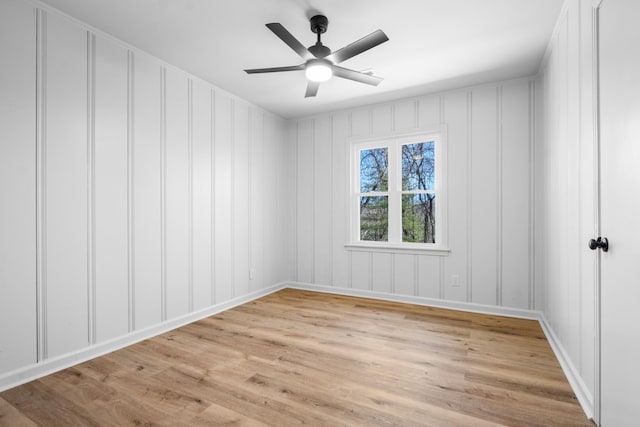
374 210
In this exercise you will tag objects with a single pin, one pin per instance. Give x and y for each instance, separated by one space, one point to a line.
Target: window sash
394 189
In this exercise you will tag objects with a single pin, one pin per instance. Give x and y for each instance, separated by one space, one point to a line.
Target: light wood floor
298 357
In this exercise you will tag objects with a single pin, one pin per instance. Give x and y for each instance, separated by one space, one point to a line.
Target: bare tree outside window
418 196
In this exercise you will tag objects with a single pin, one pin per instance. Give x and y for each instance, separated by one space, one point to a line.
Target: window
397 192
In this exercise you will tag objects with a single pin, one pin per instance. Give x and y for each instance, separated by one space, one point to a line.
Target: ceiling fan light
318 70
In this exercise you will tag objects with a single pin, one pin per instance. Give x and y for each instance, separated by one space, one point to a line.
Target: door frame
595 22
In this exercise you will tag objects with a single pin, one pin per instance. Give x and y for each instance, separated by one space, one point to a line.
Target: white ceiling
433 44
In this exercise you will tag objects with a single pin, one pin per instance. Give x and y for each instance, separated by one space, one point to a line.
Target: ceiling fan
320 62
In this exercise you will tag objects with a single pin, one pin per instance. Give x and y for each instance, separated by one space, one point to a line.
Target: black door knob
601 243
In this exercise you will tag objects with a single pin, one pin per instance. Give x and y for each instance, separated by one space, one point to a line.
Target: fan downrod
319 25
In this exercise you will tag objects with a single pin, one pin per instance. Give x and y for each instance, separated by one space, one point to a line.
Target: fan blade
275 69
312 89
291 41
357 47
346 73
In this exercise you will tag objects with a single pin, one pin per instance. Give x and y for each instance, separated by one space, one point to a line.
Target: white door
619 50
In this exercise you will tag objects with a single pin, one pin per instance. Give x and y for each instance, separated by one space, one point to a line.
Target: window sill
397 249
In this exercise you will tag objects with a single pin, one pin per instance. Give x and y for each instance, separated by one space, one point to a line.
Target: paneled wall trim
490 137
566 208
136 176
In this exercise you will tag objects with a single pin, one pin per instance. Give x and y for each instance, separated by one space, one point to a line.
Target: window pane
374 218
419 218
418 172
373 170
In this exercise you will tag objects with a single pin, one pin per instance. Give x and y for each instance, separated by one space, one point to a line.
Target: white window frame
394 143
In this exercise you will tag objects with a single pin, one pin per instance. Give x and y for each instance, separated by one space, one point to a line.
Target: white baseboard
410 299
37 370
49 366
580 389
570 371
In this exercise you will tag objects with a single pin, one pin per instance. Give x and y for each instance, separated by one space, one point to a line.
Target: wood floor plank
299 357
46 406
216 415
10 416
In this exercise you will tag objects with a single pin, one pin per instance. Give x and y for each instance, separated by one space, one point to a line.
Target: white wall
17 185
490 228
132 193
565 205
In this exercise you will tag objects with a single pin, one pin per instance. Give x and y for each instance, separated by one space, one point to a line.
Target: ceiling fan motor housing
319 50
